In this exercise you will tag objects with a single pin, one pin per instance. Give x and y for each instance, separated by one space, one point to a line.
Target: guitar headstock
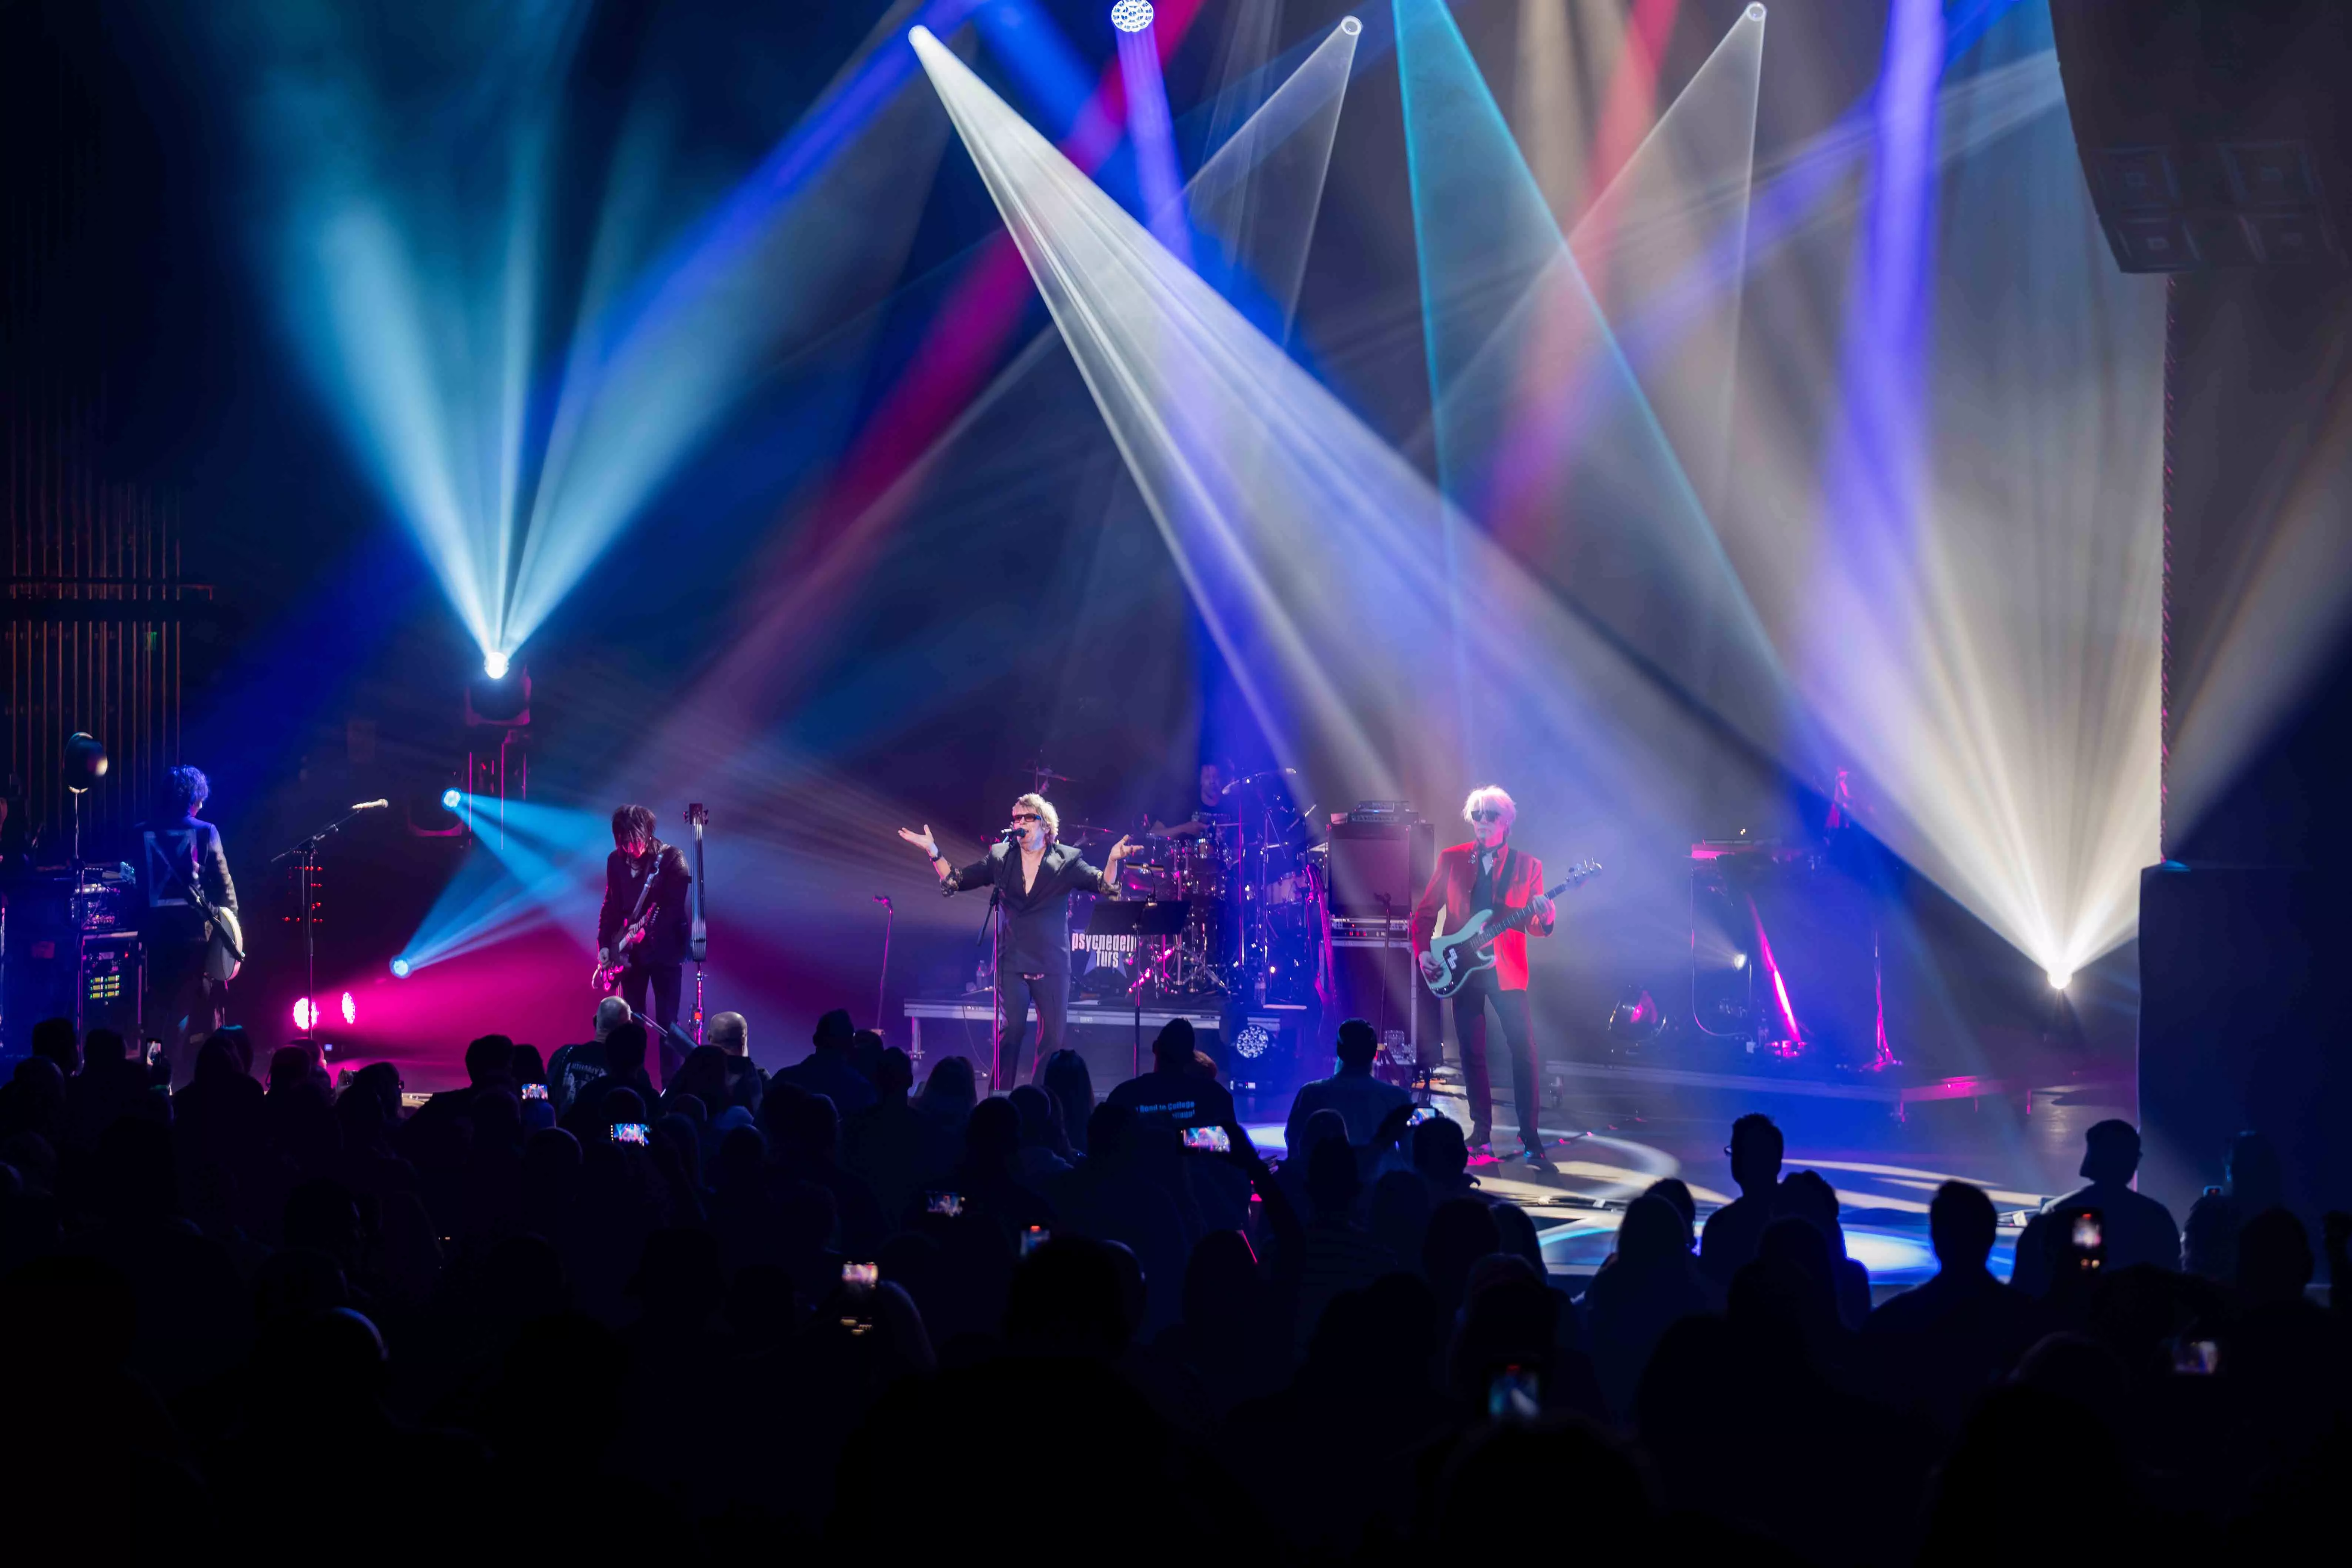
1584 871
697 814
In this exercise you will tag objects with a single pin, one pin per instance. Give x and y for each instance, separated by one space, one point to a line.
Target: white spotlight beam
1313 550
631 407
1258 195
763 661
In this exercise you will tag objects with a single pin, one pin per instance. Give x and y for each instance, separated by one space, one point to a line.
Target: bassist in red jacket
1488 874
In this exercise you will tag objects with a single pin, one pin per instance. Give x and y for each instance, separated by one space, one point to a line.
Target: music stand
1139 918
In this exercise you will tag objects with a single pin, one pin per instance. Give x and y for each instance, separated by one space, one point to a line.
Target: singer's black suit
1034 963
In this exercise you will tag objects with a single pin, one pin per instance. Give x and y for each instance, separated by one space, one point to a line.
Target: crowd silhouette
566 1307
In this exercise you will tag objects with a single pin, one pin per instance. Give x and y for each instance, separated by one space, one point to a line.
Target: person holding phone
2134 1229
1175 1092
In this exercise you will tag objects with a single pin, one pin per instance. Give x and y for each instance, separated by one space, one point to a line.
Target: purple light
1131 15
1149 129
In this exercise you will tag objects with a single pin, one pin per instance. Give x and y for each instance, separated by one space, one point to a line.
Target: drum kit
1252 881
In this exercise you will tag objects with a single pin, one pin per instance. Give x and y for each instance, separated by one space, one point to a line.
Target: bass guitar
1459 954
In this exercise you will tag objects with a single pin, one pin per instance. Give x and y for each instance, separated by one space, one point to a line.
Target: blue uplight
400 969
1131 15
451 799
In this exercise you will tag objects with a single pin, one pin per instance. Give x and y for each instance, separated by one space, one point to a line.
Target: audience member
1174 1093
1073 1088
827 1070
1362 1100
1808 1195
2252 1184
2135 1228
1648 1284
1942 1344
1734 1231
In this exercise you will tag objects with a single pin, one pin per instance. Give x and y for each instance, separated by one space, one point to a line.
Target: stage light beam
1294 526
494 665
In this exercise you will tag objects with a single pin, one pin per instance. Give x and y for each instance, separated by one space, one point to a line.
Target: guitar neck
1517 919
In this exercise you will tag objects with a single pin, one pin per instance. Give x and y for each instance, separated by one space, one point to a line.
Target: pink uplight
303 1013
350 1010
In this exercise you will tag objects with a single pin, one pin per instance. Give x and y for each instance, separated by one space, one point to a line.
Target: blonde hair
1494 796
1045 809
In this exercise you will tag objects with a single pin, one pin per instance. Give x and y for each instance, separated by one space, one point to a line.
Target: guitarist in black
1488 874
183 869
653 957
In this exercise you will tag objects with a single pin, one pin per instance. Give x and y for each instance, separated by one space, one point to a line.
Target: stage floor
1614 1132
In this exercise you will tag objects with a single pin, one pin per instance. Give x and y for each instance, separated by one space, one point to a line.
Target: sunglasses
1025 816
1485 816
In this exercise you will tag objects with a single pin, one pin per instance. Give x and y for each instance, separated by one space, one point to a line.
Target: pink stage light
350 1010
303 1013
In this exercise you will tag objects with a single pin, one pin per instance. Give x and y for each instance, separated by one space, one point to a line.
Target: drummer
1211 810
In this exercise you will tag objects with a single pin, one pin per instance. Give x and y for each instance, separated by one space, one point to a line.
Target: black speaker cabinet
2211 131
2246 1023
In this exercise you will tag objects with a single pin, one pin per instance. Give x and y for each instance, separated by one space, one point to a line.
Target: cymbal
1084 832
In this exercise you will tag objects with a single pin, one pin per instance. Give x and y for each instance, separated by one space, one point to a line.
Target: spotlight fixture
305 1016
2061 978
1350 27
1251 1040
494 665
1131 15
350 1010
451 799
1739 960
400 969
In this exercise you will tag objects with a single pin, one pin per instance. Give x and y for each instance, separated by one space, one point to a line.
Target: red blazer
1518 879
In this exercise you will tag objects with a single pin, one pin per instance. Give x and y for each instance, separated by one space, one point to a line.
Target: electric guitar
615 961
1459 954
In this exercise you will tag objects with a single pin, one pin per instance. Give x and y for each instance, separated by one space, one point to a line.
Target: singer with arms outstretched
1034 875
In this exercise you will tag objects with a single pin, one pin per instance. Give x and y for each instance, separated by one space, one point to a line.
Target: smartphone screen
2090 1235
949 1203
1035 1236
534 1092
1214 1139
1422 1113
2196 1358
862 1276
1514 1395
637 1132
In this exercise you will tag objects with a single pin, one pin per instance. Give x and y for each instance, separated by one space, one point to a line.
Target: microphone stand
882 985
699 937
307 848
992 924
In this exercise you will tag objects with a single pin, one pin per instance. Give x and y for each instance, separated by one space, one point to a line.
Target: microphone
371 805
882 899
1011 835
